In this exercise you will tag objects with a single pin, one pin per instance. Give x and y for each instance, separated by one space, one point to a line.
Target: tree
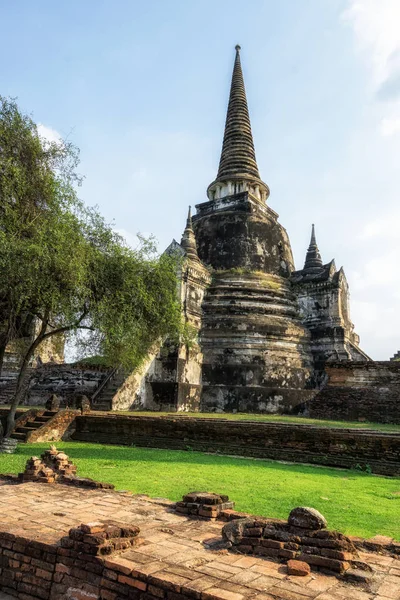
64 268
36 178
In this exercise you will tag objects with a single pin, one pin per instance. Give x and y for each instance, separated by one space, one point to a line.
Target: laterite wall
297 443
368 391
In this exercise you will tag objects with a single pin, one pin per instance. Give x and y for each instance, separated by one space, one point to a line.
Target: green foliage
93 361
352 502
63 269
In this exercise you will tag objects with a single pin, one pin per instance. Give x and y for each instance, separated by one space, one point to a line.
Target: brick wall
32 570
367 391
297 443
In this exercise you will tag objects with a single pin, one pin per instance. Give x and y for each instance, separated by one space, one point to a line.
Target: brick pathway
174 547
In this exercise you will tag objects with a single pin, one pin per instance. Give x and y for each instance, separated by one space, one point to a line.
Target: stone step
17 435
33 424
25 429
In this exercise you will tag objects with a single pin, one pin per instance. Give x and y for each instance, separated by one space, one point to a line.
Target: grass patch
267 419
354 503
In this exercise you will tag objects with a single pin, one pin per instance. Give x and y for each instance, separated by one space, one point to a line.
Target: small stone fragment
298 567
307 518
53 403
233 530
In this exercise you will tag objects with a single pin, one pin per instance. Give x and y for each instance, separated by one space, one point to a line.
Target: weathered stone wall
170 380
8 382
368 391
298 443
324 305
231 233
256 353
65 381
132 394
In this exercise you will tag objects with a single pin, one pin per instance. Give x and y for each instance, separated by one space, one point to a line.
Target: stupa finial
313 260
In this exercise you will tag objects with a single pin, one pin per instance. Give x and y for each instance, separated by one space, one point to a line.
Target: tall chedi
256 352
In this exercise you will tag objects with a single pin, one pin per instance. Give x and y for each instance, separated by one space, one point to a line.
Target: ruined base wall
63 380
368 391
297 443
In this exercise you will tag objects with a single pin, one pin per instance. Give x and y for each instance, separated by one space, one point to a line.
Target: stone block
328 563
306 518
298 567
271 543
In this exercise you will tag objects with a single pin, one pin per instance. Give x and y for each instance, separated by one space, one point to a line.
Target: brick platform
176 557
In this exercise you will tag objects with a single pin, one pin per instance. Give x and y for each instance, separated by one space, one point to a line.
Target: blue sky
142 87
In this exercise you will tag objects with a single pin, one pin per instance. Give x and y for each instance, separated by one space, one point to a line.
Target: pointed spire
189 219
188 241
238 155
313 260
238 158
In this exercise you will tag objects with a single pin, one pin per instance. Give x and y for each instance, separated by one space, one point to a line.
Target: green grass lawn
268 419
354 503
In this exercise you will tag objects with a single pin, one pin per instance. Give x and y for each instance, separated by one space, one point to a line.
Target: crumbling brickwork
306 540
355 391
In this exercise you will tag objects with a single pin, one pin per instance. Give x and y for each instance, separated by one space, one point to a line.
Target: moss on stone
266 279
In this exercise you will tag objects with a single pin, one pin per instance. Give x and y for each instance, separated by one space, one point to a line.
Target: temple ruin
265 330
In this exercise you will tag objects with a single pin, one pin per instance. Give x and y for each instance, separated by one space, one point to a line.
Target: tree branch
75 325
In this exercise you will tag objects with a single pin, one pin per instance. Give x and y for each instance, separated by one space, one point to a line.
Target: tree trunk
22 384
5 338
22 381
3 345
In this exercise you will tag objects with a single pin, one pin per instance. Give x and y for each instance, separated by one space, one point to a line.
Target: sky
142 89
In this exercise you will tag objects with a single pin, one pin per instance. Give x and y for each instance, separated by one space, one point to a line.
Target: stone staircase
102 398
21 432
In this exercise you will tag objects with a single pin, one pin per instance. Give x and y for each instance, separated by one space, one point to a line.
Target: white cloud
379 271
385 226
376 26
48 133
390 126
